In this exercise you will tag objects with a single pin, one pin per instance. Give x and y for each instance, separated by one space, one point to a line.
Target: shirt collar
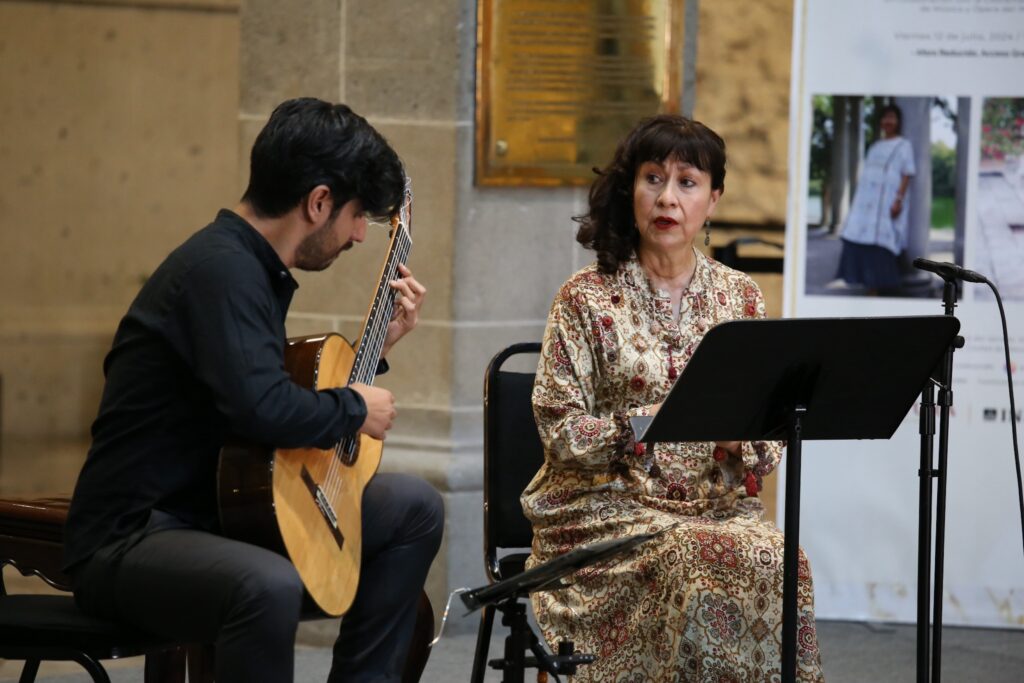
259 245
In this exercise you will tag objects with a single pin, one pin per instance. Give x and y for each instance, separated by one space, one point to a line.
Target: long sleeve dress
702 602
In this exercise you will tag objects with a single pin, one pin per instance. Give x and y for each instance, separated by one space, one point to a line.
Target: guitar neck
371 341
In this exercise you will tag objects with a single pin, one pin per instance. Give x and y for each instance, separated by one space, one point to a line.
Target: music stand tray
797 379
547 575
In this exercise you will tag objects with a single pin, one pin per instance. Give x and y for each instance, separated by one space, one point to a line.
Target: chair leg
200 663
483 643
419 646
167 666
95 669
29 671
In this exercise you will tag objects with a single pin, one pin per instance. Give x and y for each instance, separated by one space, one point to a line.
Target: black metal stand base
929 615
521 637
791 548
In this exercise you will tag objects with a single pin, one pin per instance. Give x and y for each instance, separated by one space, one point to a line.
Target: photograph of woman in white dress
886 184
875 232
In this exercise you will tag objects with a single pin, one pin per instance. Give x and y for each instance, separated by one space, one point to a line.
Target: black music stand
799 379
504 595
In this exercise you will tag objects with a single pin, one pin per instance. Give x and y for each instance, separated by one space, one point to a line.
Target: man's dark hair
309 142
608 227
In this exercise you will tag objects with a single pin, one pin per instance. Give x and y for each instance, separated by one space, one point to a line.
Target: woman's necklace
657 329
676 286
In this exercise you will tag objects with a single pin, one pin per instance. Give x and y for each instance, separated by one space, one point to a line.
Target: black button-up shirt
198 357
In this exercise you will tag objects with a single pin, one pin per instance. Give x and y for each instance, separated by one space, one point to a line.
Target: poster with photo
907 141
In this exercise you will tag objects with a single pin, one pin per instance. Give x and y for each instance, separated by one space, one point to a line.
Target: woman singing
703 601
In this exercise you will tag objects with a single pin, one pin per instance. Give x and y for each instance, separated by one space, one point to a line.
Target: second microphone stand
929 667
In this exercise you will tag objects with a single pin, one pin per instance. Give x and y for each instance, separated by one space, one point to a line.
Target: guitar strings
370 348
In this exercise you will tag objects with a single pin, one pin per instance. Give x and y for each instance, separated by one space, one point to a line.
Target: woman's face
671 201
890 124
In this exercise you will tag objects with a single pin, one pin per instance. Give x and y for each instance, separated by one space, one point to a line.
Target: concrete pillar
691 21
840 172
855 107
963 120
917 130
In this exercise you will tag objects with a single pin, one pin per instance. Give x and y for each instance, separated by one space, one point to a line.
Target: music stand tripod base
799 380
505 596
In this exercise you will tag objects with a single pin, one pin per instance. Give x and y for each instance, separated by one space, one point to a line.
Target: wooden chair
37 628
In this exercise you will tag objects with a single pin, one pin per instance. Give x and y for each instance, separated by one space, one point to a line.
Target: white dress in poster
907 140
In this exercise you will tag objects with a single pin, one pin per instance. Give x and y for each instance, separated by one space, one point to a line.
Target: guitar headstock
404 216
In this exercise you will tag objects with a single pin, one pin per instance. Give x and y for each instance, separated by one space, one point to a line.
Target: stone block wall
117 142
131 126
742 92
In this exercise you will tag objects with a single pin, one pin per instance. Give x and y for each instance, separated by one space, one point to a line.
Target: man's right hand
380 409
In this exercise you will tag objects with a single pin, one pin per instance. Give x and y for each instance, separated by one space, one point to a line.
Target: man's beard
314 254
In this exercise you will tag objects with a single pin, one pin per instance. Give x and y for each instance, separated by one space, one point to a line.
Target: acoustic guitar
306 503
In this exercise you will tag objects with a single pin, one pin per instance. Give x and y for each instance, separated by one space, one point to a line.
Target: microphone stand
943 379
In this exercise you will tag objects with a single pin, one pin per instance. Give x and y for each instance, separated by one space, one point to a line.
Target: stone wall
117 142
132 124
743 65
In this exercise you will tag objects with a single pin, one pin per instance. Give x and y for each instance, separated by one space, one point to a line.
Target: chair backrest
32 538
37 627
512 454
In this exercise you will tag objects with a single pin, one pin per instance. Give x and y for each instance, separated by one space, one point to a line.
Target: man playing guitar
199 359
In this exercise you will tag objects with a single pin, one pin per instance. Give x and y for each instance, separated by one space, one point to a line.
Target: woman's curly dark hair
608 227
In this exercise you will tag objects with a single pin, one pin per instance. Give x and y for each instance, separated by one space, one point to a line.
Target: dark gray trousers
194 586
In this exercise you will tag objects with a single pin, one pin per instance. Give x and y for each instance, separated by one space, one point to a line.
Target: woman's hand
896 208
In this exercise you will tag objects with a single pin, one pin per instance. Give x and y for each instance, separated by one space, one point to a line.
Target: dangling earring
707 232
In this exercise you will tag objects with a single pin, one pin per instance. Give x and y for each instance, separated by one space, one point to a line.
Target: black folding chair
512 455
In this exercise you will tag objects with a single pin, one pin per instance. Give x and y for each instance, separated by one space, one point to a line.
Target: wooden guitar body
305 503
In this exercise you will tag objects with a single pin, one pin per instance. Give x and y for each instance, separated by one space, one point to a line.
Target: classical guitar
306 503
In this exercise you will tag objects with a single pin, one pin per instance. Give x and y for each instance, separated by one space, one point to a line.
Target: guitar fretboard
371 343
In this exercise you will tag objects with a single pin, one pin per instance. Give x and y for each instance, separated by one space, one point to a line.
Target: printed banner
907 140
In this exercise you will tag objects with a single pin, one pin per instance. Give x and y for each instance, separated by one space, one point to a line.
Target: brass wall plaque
560 82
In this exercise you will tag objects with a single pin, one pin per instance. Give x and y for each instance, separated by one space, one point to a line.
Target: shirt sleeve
564 400
907 166
230 330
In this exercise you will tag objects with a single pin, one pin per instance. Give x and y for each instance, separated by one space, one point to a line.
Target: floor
851 653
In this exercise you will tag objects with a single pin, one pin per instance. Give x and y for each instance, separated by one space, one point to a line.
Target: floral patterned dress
702 602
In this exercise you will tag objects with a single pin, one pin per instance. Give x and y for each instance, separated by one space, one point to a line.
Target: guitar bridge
326 509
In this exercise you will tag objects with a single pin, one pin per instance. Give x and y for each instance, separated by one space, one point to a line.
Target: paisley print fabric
703 602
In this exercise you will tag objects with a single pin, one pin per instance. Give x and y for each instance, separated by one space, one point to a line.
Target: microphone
949 271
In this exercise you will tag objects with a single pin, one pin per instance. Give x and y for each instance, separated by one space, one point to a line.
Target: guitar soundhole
349 452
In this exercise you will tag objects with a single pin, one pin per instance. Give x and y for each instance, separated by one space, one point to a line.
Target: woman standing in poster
875 232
